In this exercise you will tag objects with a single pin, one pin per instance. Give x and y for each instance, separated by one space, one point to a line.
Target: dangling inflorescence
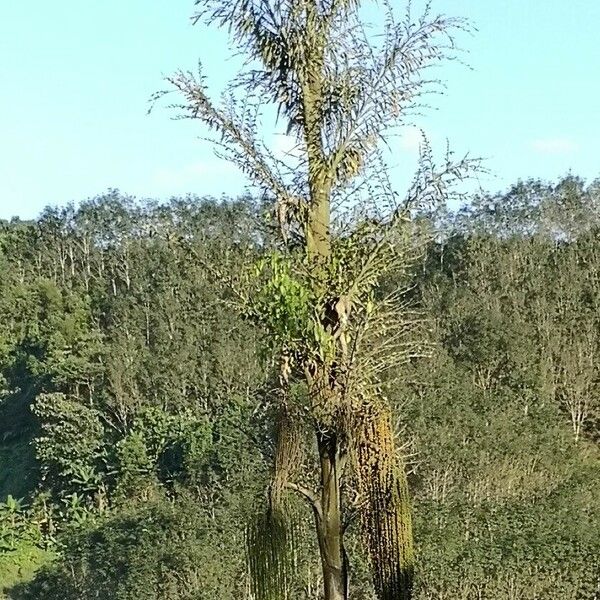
386 516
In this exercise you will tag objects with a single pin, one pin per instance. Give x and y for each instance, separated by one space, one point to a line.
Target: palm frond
288 453
271 555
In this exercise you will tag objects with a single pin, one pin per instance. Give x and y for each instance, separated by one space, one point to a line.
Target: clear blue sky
76 76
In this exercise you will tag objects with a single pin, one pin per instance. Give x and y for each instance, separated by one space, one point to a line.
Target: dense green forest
136 442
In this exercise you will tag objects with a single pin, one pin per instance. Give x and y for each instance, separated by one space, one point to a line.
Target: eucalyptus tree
339 89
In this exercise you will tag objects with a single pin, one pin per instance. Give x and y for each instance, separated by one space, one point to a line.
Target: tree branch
308 495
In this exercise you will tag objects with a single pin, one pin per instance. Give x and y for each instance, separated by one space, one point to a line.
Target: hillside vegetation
135 446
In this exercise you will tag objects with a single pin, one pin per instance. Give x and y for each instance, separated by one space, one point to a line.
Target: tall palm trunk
328 519
328 511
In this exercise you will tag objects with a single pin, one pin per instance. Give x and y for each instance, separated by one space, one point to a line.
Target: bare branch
308 494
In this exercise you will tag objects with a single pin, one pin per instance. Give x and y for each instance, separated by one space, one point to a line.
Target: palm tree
339 89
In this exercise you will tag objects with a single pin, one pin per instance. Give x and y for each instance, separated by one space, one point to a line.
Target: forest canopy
133 452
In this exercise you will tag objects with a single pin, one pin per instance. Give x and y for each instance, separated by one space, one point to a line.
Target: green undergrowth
18 472
19 566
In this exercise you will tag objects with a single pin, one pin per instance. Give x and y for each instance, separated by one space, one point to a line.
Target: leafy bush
16 525
160 551
71 445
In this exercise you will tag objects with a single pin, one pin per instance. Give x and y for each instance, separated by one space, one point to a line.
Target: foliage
70 444
157 551
162 446
21 551
15 526
156 450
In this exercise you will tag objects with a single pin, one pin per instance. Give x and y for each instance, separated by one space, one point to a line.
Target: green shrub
162 551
